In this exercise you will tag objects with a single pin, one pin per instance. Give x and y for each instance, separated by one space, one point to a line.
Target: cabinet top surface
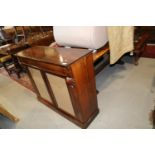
57 56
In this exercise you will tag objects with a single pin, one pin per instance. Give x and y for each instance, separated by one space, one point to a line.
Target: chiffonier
63 79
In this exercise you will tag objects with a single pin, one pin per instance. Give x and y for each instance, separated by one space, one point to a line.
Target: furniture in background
140 45
96 37
4 37
20 35
30 36
149 49
63 80
24 32
9 59
4 60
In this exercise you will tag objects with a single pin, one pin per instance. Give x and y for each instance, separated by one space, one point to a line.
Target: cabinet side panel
37 77
83 73
91 84
61 93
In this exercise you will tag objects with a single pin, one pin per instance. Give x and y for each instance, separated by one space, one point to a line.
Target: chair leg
5 67
18 75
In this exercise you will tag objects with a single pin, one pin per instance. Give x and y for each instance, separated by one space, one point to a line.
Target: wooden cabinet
63 80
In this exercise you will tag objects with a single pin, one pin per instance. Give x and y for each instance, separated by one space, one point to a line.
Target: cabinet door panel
40 84
61 93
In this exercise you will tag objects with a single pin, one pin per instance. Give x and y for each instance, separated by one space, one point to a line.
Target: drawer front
61 93
54 69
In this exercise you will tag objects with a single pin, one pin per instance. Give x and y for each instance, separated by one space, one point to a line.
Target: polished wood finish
101 58
83 74
100 53
57 56
140 44
68 74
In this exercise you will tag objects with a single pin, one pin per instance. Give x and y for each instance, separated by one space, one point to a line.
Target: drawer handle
70 82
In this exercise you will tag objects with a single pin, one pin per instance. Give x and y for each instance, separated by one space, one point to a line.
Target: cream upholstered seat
91 37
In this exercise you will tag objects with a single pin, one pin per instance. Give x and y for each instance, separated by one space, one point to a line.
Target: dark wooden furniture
4 37
10 50
139 45
13 48
140 42
18 35
63 80
40 39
